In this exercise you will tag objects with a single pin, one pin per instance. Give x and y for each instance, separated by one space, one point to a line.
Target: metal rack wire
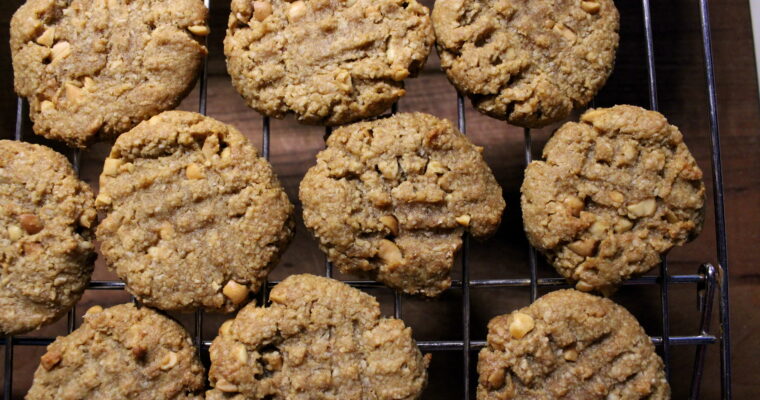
707 280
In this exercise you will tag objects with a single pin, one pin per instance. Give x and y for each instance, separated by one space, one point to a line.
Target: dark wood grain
682 98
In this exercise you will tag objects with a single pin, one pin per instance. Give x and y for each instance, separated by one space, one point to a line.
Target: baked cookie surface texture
612 194
47 216
319 339
329 62
392 198
569 345
92 69
122 352
195 218
530 62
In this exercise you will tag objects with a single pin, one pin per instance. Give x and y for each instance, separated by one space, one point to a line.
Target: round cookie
329 62
195 218
92 69
46 236
319 338
392 198
530 62
569 345
120 353
615 192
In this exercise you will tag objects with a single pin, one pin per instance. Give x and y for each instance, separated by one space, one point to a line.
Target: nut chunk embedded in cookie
319 339
613 193
94 69
530 62
47 217
329 62
194 217
122 352
393 197
570 345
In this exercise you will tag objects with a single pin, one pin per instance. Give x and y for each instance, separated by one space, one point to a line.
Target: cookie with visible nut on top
530 62
195 218
329 62
570 345
92 69
122 352
613 193
392 198
47 216
319 339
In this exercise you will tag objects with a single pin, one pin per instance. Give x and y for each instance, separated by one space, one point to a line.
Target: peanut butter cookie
46 237
328 61
527 61
92 69
195 218
570 345
393 197
320 339
615 192
121 353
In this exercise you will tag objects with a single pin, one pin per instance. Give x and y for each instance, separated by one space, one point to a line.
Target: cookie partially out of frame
319 339
392 198
195 218
92 69
530 62
121 353
569 345
47 217
613 193
329 62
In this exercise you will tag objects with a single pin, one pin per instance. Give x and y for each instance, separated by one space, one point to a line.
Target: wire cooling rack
707 280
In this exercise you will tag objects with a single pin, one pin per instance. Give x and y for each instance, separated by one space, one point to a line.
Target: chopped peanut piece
169 361
390 254
51 359
47 38
591 7
73 92
583 248
47 106
570 355
616 197
521 324
574 205
61 50
435 167
111 166
225 386
241 354
103 200
236 292
226 327
31 223
261 10
200 30
584 286
194 171
496 378
391 223
624 225
296 11
644 208
463 220
564 31
93 310
15 233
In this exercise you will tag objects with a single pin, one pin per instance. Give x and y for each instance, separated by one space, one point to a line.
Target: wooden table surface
682 98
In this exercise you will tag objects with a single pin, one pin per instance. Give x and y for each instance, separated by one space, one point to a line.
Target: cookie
528 62
47 217
569 345
328 62
92 69
194 217
613 193
320 338
122 352
392 198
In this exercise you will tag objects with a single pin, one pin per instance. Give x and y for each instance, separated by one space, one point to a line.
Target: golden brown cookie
121 353
570 345
46 236
392 198
93 69
329 62
613 193
194 217
530 62
319 339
